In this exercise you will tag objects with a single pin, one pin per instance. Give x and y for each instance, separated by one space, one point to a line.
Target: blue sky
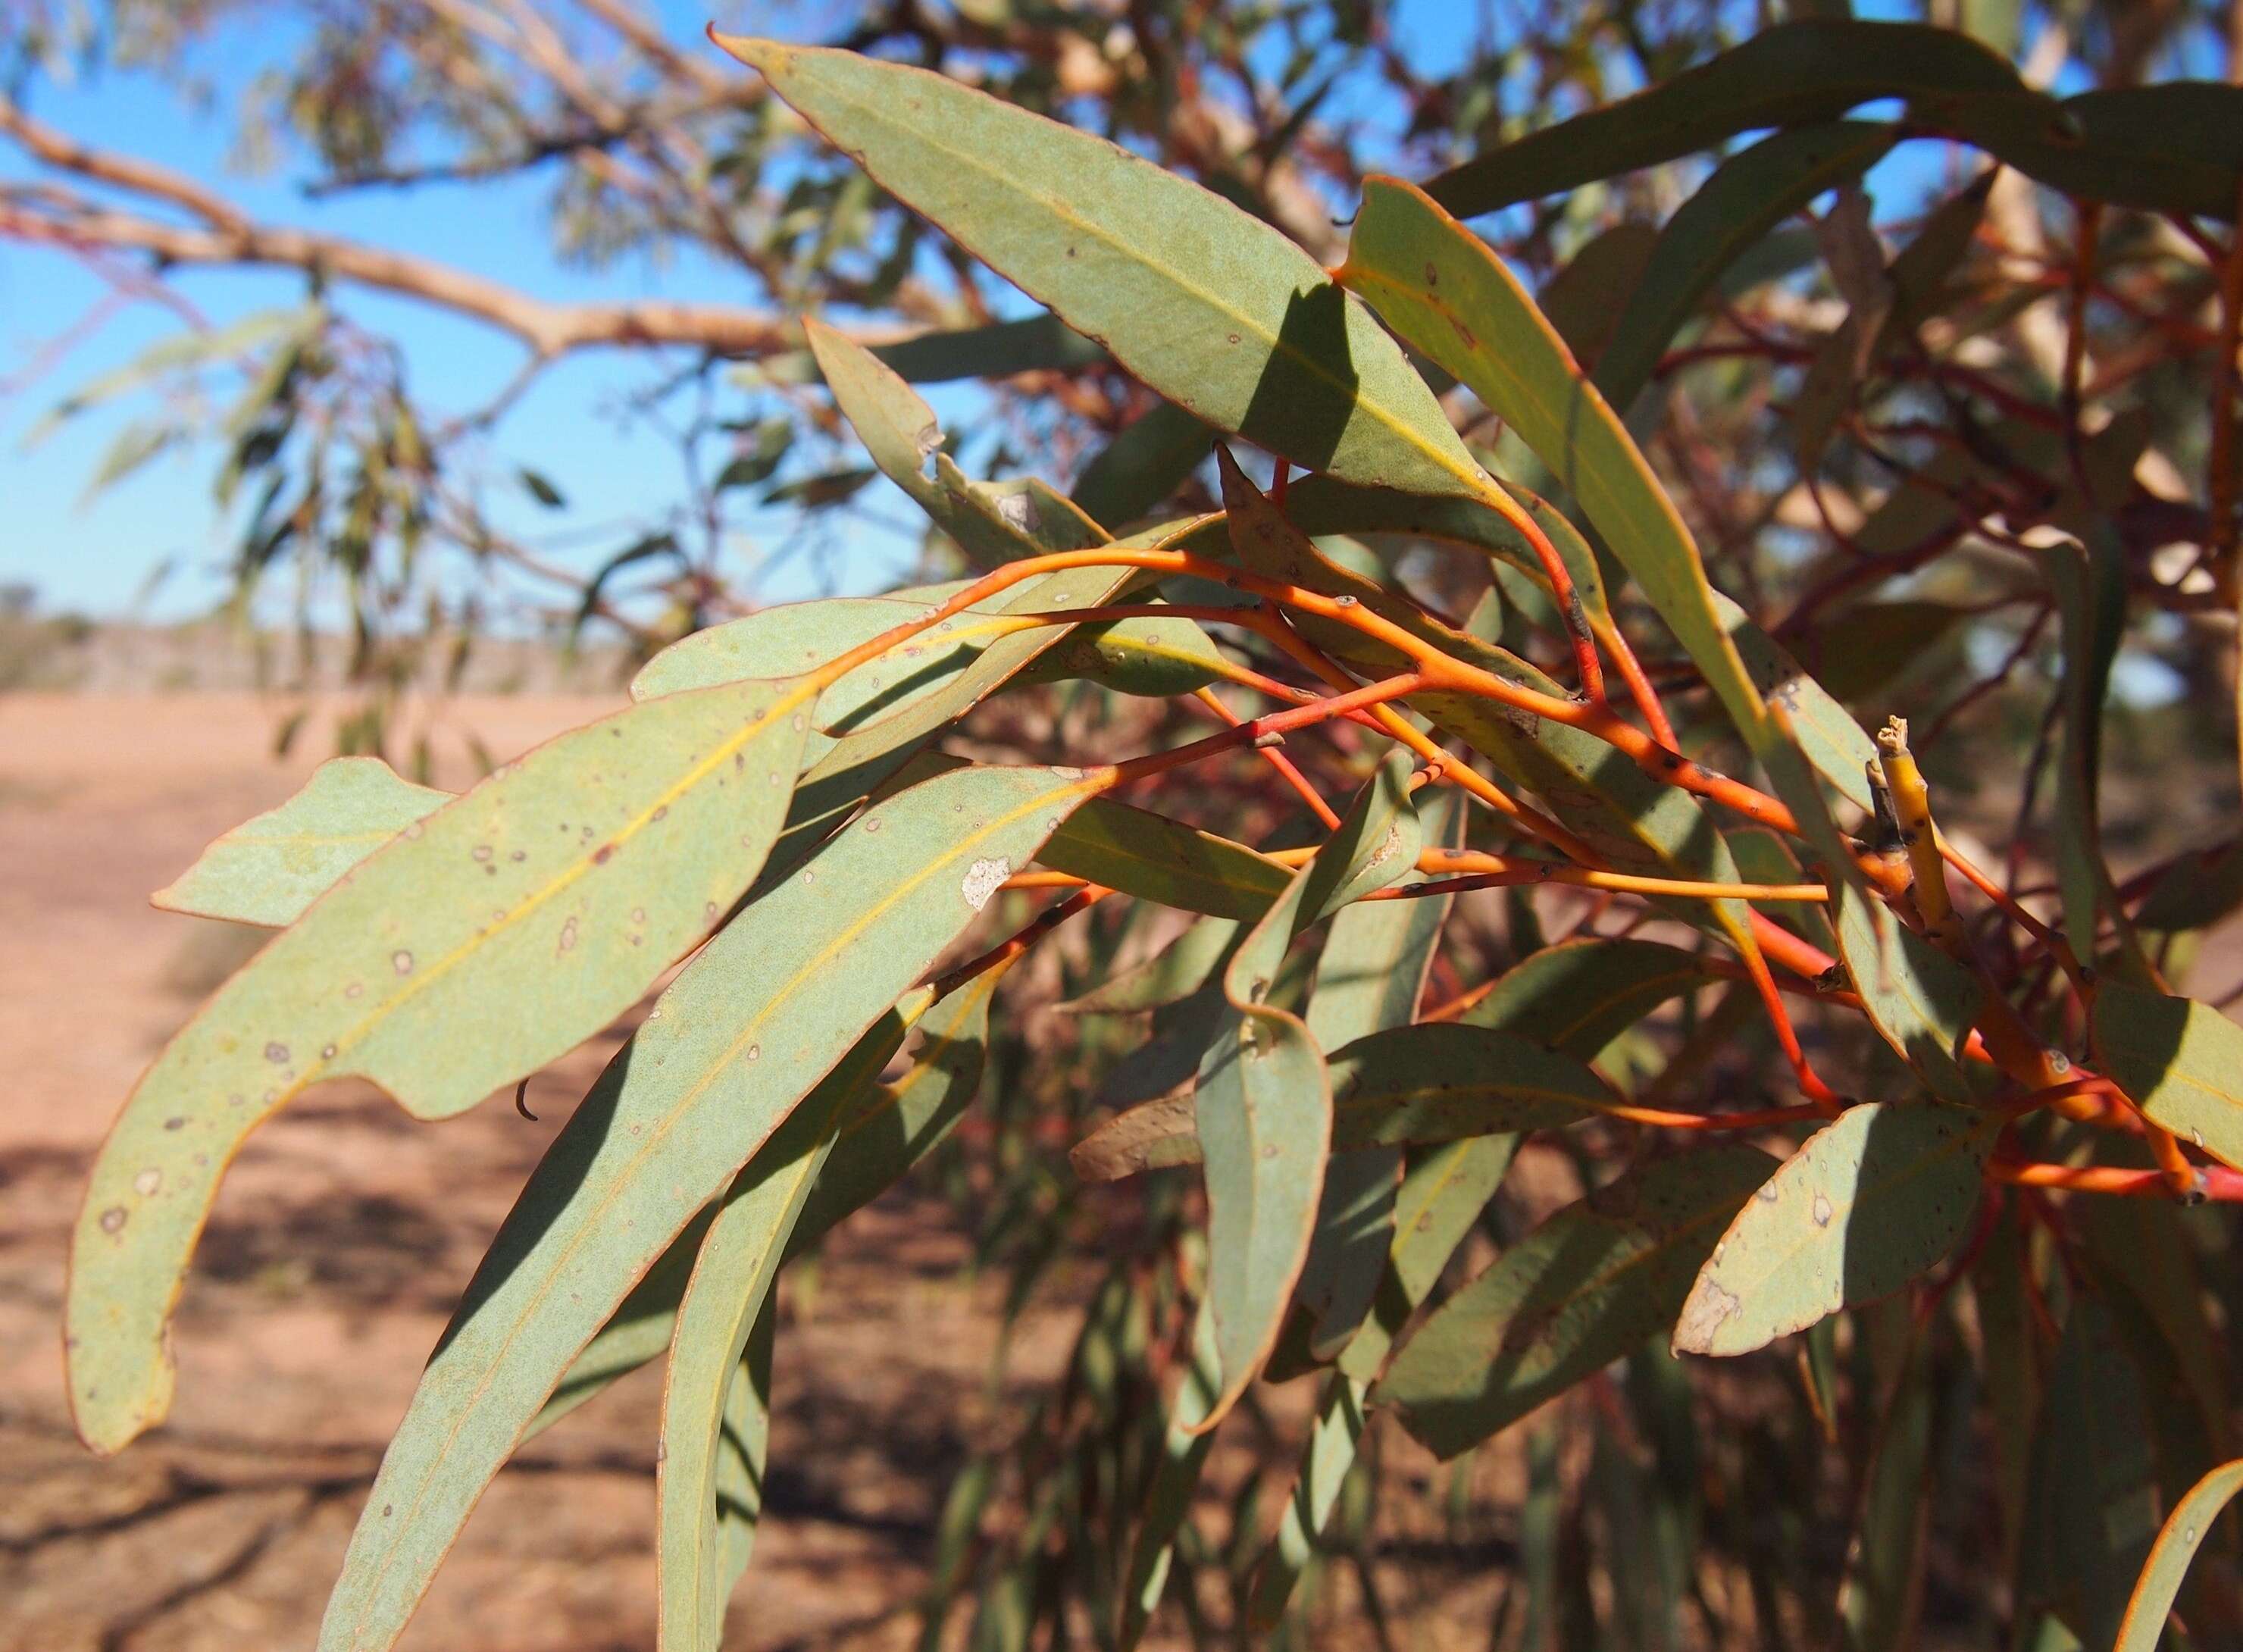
96 555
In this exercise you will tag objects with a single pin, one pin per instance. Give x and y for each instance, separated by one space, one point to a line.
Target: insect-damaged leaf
1215 310
268 869
1588 1286
475 946
2181 1060
1869 1202
1263 1106
761 1015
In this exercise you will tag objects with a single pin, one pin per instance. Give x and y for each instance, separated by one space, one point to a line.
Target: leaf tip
767 56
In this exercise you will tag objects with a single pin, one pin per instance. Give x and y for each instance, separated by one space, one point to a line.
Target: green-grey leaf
1580 995
1446 293
729 1291
1213 309
1749 195
1147 460
1870 1202
2183 1534
1156 657
1326 1458
477 945
761 1015
1156 858
1168 977
1787 76
2181 1060
1588 1286
1184 1447
269 868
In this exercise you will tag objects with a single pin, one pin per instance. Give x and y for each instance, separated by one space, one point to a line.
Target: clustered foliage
1952 1141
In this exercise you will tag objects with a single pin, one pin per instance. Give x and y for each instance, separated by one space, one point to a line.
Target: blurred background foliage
1879 395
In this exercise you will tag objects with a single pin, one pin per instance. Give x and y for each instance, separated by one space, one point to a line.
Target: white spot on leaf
984 878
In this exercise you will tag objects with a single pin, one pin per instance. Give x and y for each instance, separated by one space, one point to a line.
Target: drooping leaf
268 869
475 946
1580 995
1585 298
730 1290
1872 1201
2191 1521
1168 977
889 1129
1445 291
1369 977
1790 74
1749 195
1326 1458
1588 1286
1262 1108
1880 1598
1184 1447
1147 460
1215 310
762 1014
2181 1060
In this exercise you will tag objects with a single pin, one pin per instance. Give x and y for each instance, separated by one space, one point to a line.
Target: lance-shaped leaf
1749 195
1444 290
1588 1286
763 1013
992 524
1880 1598
1147 460
886 1129
1156 858
1580 995
1837 746
1213 309
1263 1106
1185 1446
1168 977
730 1289
268 869
1441 1196
1811 69
1369 978
477 946
1326 1458
743 1444
2142 1630
2181 1060
1406 1086
1873 1200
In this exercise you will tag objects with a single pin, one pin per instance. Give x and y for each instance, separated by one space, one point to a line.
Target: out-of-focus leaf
2143 1628
2175 147
538 487
1444 290
1214 309
1807 71
1184 1447
1869 1202
1441 1198
472 948
763 1013
1880 1599
2181 1060
186 349
269 868
1325 1460
1748 195
1586 300
1580 995
2092 1513
2196 892
1586 1287
1171 975
1147 460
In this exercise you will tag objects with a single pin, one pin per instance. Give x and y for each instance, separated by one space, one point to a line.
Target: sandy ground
340 1240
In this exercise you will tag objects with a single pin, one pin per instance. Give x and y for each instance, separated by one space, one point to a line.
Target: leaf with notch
473 947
